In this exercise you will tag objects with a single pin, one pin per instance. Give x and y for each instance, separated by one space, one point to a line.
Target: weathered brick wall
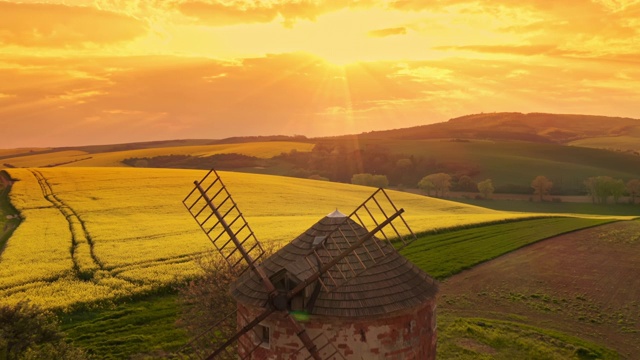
408 335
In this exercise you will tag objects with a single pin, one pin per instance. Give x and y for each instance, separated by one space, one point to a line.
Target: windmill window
283 281
263 333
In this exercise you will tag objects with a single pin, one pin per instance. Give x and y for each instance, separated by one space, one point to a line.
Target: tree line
599 188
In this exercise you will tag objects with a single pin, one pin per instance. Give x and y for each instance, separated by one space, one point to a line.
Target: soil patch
584 284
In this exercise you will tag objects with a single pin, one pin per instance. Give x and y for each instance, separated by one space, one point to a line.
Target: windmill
334 254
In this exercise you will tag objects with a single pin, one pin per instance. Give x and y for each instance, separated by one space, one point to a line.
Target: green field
145 326
549 207
444 254
516 162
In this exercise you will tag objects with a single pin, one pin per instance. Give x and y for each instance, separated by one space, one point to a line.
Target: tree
27 331
616 188
206 301
633 189
601 187
361 179
486 188
426 185
465 183
541 186
439 182
379 181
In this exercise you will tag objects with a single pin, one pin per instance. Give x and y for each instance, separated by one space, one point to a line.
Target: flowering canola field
79 158
98 234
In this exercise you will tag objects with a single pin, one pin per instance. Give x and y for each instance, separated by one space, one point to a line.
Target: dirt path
584 284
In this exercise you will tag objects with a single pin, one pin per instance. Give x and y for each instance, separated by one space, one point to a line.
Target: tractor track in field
71 216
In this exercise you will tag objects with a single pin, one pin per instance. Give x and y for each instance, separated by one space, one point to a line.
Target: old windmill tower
340 290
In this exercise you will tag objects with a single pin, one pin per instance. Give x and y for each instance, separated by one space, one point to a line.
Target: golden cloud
49 25
388 32
506 49
219 13
102 100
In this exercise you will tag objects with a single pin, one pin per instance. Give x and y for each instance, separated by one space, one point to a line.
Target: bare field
584 284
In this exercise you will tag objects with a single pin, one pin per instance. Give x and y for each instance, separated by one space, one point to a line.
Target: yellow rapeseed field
95 234
77 158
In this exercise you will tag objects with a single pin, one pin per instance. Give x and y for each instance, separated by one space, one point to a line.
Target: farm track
85 261
79 237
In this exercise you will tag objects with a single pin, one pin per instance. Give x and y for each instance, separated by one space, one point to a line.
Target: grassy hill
535 127
510 164
509 148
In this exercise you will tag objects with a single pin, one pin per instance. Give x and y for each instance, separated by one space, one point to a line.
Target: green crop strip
446 254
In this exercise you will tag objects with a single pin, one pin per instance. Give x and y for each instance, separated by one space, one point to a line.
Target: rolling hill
533 127
509 148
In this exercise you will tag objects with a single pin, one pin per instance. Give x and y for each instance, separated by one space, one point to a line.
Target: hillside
510 164
509 148
534 127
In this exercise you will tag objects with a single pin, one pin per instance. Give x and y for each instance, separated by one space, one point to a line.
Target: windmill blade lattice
378 208
353 249
218 215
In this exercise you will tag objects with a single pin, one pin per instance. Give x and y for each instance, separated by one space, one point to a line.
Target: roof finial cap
336 214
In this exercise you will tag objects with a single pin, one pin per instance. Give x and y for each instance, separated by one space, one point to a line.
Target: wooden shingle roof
389 285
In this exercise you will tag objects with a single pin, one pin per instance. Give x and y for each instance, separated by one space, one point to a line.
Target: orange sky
76 72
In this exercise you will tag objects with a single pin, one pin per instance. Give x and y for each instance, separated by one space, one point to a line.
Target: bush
28 332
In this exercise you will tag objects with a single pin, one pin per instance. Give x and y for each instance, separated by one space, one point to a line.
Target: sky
79 72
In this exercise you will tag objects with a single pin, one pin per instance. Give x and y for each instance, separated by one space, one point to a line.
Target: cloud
49 25
506 49
388 32
223 13
119 99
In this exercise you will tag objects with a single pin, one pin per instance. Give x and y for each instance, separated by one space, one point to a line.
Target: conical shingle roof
392 284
